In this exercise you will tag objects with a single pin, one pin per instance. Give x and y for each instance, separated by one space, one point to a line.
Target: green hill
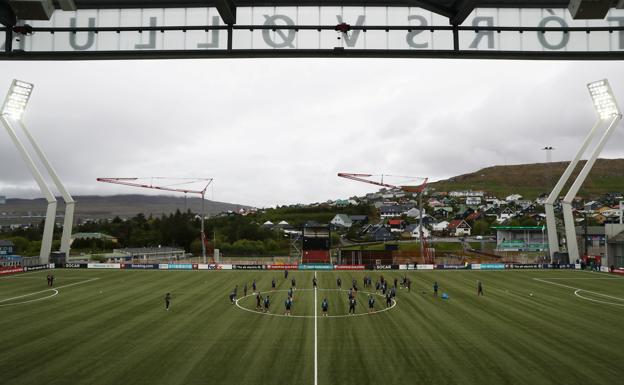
531 180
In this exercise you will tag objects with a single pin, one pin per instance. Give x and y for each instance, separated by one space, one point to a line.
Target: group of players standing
263 302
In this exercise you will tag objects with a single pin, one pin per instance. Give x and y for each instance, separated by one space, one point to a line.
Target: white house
459 228
440 226
415 213
414 231
341 220
473 201
505 214
513 198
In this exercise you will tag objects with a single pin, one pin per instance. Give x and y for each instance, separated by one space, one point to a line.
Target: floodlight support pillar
551 223
568 217
48 228
69 201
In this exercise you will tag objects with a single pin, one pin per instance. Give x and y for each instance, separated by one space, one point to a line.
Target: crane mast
133 182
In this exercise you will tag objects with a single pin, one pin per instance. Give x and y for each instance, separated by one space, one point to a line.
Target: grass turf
114 330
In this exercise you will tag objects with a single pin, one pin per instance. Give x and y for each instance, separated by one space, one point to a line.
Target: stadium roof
455 10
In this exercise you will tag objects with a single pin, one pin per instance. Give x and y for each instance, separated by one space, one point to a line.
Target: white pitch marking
577 289
315 337
55 292
576 293
43 291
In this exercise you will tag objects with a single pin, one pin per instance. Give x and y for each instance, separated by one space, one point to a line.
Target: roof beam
435 8
67 5
462 10
227 10
7 16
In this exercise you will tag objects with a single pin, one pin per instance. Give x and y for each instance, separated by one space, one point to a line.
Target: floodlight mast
68 222
608 111
13 109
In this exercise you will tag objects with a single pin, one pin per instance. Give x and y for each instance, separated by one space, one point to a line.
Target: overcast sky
277 131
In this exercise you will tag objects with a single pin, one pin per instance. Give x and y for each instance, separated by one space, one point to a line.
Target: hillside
125 206
531 180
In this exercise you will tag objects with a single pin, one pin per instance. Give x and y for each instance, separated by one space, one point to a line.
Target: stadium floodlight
603 98
17 99
607 109
13 110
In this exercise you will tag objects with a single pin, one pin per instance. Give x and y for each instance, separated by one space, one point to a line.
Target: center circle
308 291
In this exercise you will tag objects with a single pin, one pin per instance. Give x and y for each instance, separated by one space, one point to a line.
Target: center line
315 339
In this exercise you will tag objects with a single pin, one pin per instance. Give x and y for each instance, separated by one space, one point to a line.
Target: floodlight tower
608 111
12 111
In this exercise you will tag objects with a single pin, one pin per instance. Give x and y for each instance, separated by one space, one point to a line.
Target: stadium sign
317 31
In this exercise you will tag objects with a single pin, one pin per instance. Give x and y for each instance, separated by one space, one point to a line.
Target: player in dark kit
245 289
288 305
49 281
267 303
352 304
253 285
290 293
325 306
285 274
273 284
258 301
339 283
167 301
371 303
388 300
408 282
233 296
435 288
293 283
314 282
479 288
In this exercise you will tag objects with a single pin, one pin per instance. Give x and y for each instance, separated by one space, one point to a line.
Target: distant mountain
100 207
531 180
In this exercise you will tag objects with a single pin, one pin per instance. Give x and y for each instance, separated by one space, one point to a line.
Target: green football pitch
111 327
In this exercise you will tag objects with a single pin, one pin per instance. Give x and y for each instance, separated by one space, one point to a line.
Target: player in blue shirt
325 306
290 293
288 304
267 303
253 285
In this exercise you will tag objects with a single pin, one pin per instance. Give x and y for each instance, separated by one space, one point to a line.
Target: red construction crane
424 250
175 187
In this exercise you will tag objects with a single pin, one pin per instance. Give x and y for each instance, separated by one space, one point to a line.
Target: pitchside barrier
313 266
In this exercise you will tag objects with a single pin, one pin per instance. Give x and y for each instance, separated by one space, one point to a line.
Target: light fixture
17 99
603 98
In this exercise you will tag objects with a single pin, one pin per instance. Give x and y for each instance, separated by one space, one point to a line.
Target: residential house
442 212
464 212
513 198
459 228
592 206
377 233
396 225
492 212
391 211
341 203
541 199
341 220
433 202
530 209
475 216
466 193
414 231
414 213
473 201
505 214
360 219
440 226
